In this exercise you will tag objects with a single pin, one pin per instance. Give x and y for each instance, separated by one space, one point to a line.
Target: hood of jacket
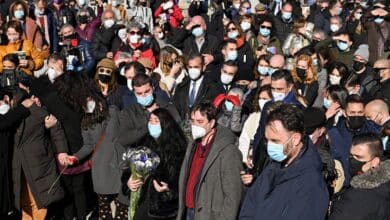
373 178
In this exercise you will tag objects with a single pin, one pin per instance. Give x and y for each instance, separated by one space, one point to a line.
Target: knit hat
313 118
146 62
106 63
363 52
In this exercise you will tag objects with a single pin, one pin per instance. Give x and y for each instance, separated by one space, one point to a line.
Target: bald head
277 61
378 111
198 20
382 66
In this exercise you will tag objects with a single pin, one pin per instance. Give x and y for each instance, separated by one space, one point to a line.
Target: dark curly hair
291 117
98 115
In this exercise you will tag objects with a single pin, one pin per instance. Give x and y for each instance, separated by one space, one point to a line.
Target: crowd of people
257 109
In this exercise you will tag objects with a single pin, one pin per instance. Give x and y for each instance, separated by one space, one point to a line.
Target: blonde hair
311 75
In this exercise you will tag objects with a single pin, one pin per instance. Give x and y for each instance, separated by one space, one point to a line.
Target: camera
11 78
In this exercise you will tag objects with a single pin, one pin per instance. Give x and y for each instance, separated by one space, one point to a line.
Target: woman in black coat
8 122
159 199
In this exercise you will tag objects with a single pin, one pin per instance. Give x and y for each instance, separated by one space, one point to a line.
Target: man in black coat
369 194
9 119
382 68
283 22
134 119
195 39
194 88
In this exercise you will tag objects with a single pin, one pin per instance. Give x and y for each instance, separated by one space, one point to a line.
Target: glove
218 100
234 99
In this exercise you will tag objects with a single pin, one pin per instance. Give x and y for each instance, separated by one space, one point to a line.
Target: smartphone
21 55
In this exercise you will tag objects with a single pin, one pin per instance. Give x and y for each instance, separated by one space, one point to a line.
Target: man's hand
208 58
162 187
50 121
27 103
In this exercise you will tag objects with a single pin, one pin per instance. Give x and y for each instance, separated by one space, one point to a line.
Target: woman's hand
332 110
246 178
160 187
23 63
134 185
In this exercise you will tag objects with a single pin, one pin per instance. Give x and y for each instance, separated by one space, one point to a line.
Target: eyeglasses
377 70
232 29
105 70
135 32
266 27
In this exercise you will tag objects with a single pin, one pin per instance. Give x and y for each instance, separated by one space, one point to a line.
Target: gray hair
132 25
237 91
320 32
108 11
67 26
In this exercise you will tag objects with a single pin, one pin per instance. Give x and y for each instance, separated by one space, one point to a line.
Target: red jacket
175 18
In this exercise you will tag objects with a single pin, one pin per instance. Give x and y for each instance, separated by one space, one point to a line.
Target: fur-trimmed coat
368 197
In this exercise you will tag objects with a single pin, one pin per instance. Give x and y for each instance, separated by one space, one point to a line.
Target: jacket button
199 209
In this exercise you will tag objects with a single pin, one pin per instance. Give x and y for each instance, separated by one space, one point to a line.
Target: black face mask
244 88
314 42
357 66
301 73
356 122
69 37
355 167
83 19
8 72
104 78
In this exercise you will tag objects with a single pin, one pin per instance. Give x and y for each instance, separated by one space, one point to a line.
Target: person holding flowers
159 189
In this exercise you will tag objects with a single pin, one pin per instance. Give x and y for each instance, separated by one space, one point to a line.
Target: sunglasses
266 27
134 32
105 70
232 29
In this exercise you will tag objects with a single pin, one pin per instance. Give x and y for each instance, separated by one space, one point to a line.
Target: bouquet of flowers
142 162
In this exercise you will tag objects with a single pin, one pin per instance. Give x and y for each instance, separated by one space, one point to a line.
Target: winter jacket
233 120
345 57
170 81
294 43
87 33
32 53
340 139
368 197
33 33
282 29
8 124
272 48
294 192
248 132
218 192
34 158
102 41
245 60
308 91
377 35
174 19
51 36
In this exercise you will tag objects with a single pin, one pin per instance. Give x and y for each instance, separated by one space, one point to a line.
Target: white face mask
161 35
245 25
91 104
197 132
278 96
52 74
334 80
194 73
134 38
334 28
226 79
129 84
4 108
109 23
262 103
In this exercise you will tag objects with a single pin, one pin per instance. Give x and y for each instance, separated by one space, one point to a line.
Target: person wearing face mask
305 79
368 195
298 39
251 124
62 14
135 45
195 38
336 24
341 47
228 72
9 118
55 65
103 37
334 103
166 138
136 116
378 31
233 10
295 170
230 110
353 123
378 111
30 58
382 68
84 4
107 83
118 7
315 128
369 82
18 11
199 190
12 75
338 72
283 22
355 26
87 24
247 27
195 87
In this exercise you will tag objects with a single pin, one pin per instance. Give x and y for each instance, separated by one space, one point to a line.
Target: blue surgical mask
384 141
154 130
145 101
265 32
286 15
197 32
263 70
327 103
19 14
315 62
339 11
229 106
342 46
233 35
379 20
271 71
248 11
276 151
232 55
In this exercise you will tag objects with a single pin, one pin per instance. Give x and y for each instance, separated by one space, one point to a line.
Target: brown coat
32 53
376 41
34 34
